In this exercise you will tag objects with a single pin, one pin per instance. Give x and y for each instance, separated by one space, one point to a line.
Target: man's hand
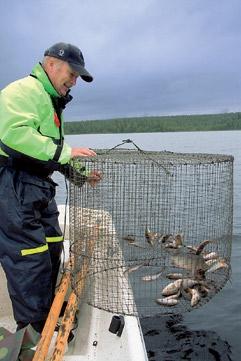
82 152
93 178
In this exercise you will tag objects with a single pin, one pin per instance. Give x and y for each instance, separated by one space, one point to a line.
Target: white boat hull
93 340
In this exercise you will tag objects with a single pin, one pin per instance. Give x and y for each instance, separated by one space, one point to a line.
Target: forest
177 123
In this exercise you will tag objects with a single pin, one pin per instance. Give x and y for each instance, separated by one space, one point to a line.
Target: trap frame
154 236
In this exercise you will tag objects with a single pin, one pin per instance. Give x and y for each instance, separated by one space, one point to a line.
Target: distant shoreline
150 124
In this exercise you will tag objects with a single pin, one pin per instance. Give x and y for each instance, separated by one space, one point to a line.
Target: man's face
62 76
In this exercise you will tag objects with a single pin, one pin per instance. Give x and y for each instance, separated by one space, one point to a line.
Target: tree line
177 123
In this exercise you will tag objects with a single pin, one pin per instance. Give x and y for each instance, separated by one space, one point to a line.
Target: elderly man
32 147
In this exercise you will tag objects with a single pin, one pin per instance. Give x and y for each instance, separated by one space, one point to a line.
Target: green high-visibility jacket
28 120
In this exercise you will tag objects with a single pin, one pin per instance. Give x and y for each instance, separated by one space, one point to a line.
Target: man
32 147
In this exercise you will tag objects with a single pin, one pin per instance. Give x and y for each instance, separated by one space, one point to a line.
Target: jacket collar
39 73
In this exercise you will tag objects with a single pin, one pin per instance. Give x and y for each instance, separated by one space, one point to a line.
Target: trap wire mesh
154 236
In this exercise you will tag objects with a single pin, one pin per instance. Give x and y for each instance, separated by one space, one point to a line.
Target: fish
172 288
174 296
130 238
192 249
204 290
189 261
167 301
195 296
170 245
174 276
201 246
192 295
210 262
134 268
152 277
199 274
170 241
186 294
188 283
151 237
178 240
166 238
210 255
134 244
174 242
221 263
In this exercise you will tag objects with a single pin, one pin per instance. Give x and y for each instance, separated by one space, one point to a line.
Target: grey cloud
147 56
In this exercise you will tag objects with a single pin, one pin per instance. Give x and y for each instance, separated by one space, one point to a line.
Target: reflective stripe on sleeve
54 239
40 249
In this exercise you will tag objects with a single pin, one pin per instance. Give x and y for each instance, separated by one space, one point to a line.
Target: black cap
71 54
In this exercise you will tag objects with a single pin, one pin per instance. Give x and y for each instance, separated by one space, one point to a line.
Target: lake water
212 332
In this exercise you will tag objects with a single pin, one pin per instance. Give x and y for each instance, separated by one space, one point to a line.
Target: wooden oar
68 319
65 328
49 327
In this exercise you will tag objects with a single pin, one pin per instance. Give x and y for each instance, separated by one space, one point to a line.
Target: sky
147 57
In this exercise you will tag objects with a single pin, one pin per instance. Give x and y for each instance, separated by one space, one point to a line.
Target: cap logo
61 52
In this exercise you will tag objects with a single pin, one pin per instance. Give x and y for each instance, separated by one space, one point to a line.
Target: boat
99 335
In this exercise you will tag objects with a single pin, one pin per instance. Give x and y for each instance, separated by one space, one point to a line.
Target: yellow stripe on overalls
28 251
54 239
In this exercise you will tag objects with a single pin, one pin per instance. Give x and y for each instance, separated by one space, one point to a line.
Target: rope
125 141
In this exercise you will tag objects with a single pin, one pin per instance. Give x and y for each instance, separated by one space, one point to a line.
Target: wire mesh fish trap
154 236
